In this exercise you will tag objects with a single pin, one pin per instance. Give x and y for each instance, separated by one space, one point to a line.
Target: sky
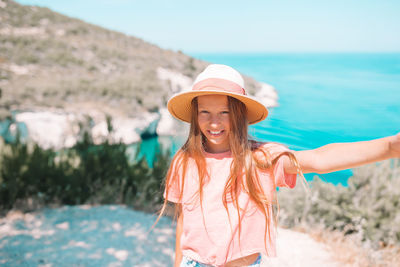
246 26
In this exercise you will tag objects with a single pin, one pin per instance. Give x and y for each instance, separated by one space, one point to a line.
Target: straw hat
216 79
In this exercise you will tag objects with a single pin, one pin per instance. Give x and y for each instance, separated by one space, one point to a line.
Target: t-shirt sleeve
282 179
173 186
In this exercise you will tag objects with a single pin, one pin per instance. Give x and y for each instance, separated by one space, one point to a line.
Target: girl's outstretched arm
340 156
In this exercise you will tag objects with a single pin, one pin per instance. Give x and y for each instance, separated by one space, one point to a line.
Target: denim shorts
187 262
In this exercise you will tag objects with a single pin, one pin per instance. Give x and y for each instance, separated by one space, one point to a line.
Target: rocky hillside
53 63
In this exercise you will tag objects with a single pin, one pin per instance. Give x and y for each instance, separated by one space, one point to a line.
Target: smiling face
213 120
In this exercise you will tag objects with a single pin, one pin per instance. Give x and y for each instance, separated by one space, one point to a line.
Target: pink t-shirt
211 236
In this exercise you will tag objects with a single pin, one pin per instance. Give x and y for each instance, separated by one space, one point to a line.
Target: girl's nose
215 120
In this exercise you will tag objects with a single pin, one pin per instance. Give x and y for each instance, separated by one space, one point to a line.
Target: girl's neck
218 155
216 151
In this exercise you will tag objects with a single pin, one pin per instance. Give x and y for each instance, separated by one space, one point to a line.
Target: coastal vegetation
365 213
32 177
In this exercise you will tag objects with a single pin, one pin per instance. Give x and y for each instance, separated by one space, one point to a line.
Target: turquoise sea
323 98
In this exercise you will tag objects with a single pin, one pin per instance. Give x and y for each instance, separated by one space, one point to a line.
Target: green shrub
85 173
368 207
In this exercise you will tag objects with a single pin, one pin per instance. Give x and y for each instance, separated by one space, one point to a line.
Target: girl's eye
203 112
225 112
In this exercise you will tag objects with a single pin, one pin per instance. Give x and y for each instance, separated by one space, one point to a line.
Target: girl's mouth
215 133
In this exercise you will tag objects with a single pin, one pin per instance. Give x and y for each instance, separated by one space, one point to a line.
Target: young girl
224 184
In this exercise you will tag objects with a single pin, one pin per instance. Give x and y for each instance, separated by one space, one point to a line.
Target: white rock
44 22
168 125
80 244
3 4
99 132
110 251
116 226
59 32
146 123
48 129
63 226
121 255
136 232
18 70
23 31
57 129
125 130
85 207
14 215
267 95
178 81
70 141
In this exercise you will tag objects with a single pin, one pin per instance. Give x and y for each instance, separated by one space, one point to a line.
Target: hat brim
179 105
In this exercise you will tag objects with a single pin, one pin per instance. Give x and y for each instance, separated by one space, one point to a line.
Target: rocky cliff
58 72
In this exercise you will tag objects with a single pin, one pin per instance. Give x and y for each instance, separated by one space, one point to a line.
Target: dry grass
73 61
349 251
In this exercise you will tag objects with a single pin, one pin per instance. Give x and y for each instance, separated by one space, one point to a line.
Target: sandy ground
118 236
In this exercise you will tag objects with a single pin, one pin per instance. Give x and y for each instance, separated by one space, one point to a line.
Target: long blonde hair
243 174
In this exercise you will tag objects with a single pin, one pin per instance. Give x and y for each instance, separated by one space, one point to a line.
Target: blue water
148 148
324 98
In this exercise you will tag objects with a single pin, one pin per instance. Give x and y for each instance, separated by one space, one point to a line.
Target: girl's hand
394 146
